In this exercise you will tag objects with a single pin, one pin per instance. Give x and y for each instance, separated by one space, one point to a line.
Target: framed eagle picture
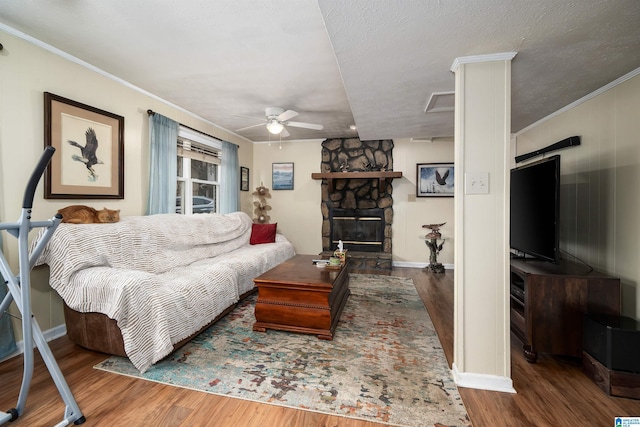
435 180
89 158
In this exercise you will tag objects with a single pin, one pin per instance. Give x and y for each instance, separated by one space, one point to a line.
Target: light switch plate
476 183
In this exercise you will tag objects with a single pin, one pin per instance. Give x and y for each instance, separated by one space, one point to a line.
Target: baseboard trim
418 264
482 381
49 335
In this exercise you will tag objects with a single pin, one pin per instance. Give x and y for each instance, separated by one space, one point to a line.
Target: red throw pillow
263 233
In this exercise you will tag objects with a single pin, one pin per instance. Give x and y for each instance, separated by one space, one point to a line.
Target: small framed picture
89 161
282 176
244 178
435 179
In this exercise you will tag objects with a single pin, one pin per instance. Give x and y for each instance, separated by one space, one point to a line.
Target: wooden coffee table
297 296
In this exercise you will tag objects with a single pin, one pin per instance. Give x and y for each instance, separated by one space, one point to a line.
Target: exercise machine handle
27 201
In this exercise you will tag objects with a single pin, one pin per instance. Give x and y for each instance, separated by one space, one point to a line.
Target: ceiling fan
276 120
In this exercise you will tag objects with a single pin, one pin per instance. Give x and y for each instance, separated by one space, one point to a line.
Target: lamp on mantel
274 126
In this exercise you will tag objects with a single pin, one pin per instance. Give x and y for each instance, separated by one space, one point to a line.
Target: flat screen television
535 209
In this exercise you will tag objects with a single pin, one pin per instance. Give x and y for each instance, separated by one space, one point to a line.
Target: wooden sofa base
98 332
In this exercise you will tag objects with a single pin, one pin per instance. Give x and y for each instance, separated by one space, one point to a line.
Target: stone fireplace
357 202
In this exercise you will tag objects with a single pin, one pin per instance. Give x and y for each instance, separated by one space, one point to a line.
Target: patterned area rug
385 363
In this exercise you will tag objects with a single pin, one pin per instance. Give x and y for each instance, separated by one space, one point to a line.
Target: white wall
298 212
411 212
600 178
26 72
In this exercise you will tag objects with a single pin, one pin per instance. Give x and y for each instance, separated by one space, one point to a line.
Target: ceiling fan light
274 127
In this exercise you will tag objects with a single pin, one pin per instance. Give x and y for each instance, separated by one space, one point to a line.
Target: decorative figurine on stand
431 241
261 205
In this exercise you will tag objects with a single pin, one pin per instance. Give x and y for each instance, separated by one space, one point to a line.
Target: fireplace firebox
359 229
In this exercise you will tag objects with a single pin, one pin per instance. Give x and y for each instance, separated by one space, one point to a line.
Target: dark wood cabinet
548 302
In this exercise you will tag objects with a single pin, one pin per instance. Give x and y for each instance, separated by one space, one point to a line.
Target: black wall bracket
569 142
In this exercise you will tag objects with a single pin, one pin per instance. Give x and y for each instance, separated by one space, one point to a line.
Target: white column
482 356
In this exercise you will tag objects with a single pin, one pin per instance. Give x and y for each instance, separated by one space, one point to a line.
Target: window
198 173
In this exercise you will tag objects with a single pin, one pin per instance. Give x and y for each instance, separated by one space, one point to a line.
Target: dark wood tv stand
548 302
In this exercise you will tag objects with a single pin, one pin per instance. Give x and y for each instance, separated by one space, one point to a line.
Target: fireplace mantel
381 176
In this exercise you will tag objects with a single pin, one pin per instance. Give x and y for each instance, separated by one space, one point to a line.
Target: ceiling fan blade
305 125
248 117
289 114
249 127
284 133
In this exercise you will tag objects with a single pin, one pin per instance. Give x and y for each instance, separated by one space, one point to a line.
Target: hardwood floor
553 392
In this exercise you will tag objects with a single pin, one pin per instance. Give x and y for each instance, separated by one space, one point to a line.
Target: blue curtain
163 167
7 339
230 179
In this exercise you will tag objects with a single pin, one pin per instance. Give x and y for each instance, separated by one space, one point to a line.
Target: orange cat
79 214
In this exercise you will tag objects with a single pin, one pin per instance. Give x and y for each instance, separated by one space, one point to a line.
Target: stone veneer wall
353 155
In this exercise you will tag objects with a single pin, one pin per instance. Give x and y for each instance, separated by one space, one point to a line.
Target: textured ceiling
374 63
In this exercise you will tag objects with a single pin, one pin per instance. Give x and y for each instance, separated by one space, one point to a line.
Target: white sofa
158 280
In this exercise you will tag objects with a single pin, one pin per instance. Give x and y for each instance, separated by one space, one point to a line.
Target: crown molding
504 56
582 100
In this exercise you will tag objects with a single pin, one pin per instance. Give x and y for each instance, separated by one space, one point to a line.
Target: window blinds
198 151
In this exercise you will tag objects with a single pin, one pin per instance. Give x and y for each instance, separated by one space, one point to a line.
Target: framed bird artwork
89 159
435 179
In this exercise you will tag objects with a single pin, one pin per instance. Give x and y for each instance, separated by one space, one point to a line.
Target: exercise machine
20 291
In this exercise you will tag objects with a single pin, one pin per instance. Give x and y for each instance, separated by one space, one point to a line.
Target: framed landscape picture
282 176
435 179
244 178
89 158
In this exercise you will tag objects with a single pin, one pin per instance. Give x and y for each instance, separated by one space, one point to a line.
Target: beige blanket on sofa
139 272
